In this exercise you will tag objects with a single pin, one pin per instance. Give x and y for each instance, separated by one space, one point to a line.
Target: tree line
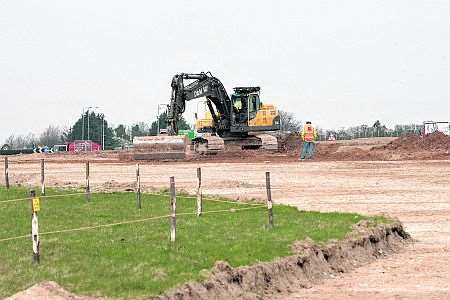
96 129
289 124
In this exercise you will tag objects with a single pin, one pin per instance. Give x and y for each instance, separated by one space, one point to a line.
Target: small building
84 146
432 126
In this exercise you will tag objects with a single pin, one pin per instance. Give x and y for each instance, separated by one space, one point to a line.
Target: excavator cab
245 105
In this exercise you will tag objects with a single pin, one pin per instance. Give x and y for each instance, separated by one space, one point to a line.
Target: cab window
253 103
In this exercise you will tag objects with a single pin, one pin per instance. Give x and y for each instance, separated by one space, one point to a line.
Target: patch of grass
129 261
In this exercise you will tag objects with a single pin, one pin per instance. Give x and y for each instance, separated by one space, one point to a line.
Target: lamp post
157 121
82 128
88 120
103 132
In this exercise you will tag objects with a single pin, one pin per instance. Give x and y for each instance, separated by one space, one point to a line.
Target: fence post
42 177
199 192
269 199
88 187
173 205
6 172
35 208
138 187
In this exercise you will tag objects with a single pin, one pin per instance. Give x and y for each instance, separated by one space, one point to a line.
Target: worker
308 136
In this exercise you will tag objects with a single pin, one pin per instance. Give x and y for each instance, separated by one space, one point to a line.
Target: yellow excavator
240 119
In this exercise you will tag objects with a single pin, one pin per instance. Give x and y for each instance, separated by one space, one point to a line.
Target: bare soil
310 264
415 191
431 147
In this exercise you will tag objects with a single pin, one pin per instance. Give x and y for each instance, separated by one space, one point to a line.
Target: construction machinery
241 120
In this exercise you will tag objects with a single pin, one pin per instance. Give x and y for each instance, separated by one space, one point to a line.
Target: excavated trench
310 264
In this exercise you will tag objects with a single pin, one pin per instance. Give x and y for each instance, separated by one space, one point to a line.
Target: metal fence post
42 177
138 187
173 206
6 172
199 192
88 187
269 199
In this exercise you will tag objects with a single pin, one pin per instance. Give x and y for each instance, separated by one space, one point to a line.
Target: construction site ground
413 187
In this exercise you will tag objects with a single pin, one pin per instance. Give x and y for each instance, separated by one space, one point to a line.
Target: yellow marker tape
36 204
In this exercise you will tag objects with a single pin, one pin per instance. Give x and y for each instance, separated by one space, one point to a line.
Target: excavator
240 120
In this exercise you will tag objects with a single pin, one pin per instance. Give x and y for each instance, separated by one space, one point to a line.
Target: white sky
336 63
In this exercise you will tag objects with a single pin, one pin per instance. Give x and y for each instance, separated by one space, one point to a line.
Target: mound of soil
436 141
311 264
432 146
45 291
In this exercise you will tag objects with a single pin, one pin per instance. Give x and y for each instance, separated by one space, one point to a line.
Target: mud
310 265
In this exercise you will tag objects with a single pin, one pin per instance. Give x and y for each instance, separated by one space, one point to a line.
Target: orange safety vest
309 133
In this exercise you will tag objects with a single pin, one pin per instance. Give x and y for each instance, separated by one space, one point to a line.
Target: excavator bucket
159 147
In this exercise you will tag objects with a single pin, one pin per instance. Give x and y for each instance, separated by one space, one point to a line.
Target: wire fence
137 188
134 184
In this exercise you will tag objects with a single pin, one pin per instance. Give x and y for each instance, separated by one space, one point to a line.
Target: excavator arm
204 85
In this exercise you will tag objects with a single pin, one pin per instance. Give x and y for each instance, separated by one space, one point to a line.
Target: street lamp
88 120
103 132
159 105
86 109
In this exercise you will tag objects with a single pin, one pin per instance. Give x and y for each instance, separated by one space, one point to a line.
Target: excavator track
210 144
268 142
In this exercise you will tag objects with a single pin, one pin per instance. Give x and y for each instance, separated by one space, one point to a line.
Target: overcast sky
336 63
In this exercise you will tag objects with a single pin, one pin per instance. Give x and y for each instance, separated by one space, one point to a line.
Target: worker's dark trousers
307 150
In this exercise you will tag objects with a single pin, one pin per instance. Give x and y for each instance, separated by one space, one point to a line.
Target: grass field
132 260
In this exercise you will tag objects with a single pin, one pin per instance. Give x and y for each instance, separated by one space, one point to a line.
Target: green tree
121 132
96 124
139 129
182 124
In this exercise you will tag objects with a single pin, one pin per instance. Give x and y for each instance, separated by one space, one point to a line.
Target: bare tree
51 136
21 141
288 122
11 141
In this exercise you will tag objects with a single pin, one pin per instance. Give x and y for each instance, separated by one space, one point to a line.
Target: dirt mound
436 141
310 265
44 291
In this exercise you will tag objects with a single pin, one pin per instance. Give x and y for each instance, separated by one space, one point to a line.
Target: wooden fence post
6 172
173 205
35 208
88 187
138 187
269 199
199 192
42 177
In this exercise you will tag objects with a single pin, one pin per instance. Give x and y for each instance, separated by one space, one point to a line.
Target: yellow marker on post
35 207
36 204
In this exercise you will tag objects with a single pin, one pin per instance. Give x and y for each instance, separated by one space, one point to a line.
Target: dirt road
417 192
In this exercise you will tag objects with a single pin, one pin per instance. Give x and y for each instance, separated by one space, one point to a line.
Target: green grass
133 260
